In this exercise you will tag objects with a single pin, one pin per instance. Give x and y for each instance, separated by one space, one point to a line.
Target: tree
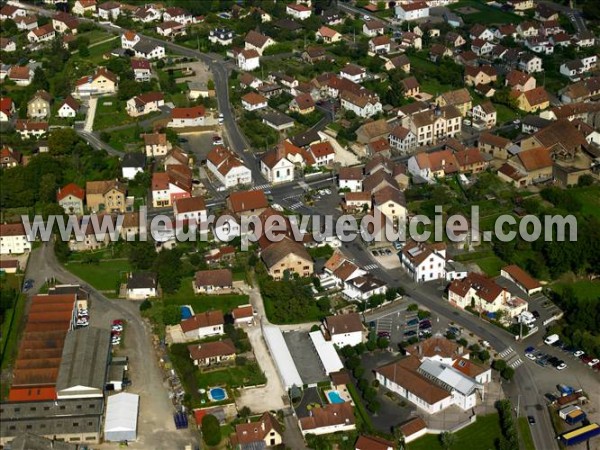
245 412
48 186
382 343
499 365
211 430
508 373
171 314
447 439
141 255
145 305
374 406
62 141
84 50
483 355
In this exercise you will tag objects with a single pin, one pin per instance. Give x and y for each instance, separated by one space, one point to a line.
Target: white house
423 261
323 153
257 41
227 167
531 63
141 286
13 239
8 45
354 73
331 418
68 108
350 178
364 287
298 11
41 34
109 10
129 39
276 167
12 12
403 140
149 50
187 117
101 82
171 28
344 329
372 28
212 281
145 103
248 60
179 15
203 325
221 36
132 164
362 105
81 7
484 114
253 101
412 11
191 208
141 70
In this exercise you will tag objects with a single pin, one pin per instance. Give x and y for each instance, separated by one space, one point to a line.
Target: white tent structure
330 360
121 417
288 373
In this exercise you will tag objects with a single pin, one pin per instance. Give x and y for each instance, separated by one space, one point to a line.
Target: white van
551 339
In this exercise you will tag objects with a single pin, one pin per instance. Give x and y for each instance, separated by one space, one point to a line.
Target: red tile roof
188 113
202 320
522 277
211 349
241 201
70 189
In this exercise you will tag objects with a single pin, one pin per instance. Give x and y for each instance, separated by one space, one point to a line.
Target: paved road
92 139
156 429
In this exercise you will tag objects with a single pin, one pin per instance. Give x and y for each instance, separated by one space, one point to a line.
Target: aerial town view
300 224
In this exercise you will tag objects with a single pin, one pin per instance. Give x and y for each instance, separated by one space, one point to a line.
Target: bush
358 371
145 305
508 373
499 365
211 430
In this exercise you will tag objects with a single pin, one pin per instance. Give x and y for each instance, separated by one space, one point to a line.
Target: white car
467 122
593 362
82 312
530 356
221 119
561 366
578 353
117 327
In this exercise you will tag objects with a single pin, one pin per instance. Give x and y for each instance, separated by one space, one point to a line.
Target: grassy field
127 139
525 434
200 303
590 199
110 112
504 113
104 276
486 15
481 435
582 288
486 260
235 376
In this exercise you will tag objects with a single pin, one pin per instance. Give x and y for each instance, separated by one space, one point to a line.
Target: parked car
535 314
561 366
529 349
531 420
410 333
530 356
385 334
412 322
593 362
578 353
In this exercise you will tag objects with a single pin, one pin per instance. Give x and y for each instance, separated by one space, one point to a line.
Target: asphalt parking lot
304 355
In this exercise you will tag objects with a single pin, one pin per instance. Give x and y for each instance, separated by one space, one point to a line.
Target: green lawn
590 199
233 377
486 260
127 139
481 435
486 15
200 303
104 275
504 113
110 112
525 434
96 35
583 289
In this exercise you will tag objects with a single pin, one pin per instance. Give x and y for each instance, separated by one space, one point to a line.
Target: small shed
121 417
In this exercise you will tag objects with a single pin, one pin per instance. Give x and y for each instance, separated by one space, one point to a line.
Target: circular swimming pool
217 394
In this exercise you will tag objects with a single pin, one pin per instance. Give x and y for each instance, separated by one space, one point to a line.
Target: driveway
270 397
156 429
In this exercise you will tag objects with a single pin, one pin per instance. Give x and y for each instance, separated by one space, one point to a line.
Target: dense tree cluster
509 439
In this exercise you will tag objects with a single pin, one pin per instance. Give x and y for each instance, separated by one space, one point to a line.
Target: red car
117 322
586 359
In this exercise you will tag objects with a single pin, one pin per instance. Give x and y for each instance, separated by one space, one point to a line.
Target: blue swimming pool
334 397
217 394
186 312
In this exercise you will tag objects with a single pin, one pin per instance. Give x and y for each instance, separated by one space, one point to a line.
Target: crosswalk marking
296 206
504 353
262 186
370 267
516 363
